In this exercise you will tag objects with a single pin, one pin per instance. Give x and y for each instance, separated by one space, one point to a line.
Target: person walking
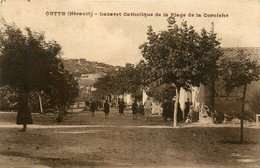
121 107
148 108
134 109
92 108
106 109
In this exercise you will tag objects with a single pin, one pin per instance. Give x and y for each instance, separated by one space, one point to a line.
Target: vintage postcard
130 83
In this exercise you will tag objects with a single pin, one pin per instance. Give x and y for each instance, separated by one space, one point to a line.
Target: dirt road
120 141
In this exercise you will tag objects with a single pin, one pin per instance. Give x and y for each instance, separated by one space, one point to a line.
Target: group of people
97 105
144 109
24 117
136 108
168 110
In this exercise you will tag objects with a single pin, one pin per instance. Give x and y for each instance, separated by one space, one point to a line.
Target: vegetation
239 71
30 64
255 102
180 56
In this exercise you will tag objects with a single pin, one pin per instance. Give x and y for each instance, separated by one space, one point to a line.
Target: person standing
24 116
121 107
87 104
134 109
92 108
179 113
171 110
148 108
187 108
165 107
106 109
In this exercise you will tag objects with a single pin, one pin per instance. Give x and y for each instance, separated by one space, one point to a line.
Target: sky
115 39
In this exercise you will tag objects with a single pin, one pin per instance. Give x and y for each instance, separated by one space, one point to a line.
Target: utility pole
212 28
212 83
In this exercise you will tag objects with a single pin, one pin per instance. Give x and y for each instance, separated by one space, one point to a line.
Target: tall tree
28 63
179 56
64 90
239 71
106 85
211 49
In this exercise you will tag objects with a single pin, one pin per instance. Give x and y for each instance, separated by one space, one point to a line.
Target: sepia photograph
129 83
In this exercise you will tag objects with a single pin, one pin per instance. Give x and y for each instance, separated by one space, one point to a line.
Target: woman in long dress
134 109
106 109
148 108
121 107
24 116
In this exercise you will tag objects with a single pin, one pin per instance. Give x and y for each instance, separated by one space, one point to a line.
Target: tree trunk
242 114
176 107
40 102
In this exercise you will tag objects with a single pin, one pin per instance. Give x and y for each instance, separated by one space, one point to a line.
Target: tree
8 98
210 48
65 90
179 56
127 79
130 78
123 79
30 64
239 71
105 85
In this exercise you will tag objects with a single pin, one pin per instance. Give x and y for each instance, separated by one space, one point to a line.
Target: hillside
82 66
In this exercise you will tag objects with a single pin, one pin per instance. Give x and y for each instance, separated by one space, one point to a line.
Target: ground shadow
239 142
59 162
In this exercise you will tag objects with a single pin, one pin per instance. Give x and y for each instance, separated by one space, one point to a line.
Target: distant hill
82 66
87 72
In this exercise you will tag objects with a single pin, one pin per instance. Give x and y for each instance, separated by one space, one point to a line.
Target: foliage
238 71
30 64
161 92
8 98
128 79
26 60
65 89
105 85
254 102
180 55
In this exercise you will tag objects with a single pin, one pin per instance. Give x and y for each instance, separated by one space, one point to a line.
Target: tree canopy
127 79
27 60
180 56
236 72
30 64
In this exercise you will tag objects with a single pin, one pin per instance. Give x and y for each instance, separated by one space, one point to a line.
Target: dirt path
121 141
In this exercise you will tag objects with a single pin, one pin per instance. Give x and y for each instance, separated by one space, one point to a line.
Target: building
227 104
